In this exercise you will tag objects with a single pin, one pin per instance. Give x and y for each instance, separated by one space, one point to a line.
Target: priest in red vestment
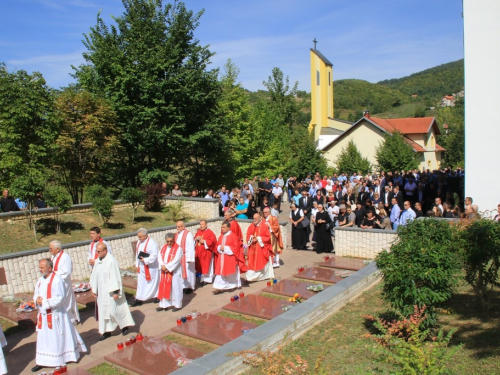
230 261
276 238
259 250
235 227
205 242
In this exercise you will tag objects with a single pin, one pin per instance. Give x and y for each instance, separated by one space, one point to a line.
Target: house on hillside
448 101
368 132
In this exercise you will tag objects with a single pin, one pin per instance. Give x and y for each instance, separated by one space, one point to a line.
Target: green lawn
339 344
107 369
15 235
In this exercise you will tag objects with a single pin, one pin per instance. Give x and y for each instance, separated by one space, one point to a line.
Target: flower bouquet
26 307
181 361
82 287
316 288
286 307
297 298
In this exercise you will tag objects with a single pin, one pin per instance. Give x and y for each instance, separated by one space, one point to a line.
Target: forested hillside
431 83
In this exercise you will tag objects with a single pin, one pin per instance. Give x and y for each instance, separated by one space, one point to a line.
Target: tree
156 74
56 196
304 156
453 138
133 196
27 129
350 160
88 145
395 153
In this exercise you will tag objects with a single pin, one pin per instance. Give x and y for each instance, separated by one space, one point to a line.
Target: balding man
171 282
185 240
205 250
64 267
146 262
276 238
57 340
106 284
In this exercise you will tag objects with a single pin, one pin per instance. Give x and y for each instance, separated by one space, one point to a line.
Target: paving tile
258 306
153 355
216 329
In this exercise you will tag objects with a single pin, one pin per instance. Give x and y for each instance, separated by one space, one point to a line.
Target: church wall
21 269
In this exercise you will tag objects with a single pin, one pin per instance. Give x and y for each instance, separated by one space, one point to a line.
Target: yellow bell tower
321 92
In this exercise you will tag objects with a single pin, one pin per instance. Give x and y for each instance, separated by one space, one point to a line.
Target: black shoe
125 331
136 303
188 291
175 309
36 368
157 300
105 336
160 309
202 283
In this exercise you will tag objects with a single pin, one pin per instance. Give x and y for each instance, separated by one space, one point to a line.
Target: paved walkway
20 351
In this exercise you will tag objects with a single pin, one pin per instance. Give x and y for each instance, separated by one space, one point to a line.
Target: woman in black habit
324 242
298 230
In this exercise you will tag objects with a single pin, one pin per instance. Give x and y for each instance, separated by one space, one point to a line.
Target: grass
404 110
275 296
189 342
242 317
15 235
129 291
107 369
338 344
9 327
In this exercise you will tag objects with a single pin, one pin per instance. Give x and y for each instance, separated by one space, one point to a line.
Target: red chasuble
235 229
225 265
204 256
165 287
258 256
274 227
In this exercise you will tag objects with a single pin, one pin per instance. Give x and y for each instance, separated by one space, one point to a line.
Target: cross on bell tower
315 41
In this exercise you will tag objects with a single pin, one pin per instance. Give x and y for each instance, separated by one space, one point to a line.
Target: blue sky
364 39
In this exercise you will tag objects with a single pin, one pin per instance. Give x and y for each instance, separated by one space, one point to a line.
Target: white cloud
55 68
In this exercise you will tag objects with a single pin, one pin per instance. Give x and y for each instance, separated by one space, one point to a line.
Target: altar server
276 238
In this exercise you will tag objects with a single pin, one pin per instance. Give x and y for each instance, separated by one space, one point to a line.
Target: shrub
152 196
420 267
102 203
177 211
412 350
479 243
57 197
133 196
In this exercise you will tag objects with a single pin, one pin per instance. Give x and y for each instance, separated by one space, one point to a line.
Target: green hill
357 95
431 83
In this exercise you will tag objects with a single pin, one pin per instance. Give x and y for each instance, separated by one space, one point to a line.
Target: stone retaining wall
362 243
21 268
198 208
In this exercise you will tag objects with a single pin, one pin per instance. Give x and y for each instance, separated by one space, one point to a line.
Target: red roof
418 125
439 148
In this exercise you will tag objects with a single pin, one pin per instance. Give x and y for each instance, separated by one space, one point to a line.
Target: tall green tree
395 153
27 126
350 160
155 72
453 138
88 144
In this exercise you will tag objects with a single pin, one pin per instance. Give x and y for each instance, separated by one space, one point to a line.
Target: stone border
290 324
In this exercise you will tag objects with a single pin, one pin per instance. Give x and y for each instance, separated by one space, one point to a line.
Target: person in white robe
95 236
185 240
171 283
57 341
3 343
106 284
148 274
63 266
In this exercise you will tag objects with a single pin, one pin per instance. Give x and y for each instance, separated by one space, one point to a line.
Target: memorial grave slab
343 263
258 306
23 319
323 275
153 355
129 282
85 298
289 287
216 329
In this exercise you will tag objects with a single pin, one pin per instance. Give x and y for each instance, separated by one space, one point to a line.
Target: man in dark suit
398 195
386 197
305 204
